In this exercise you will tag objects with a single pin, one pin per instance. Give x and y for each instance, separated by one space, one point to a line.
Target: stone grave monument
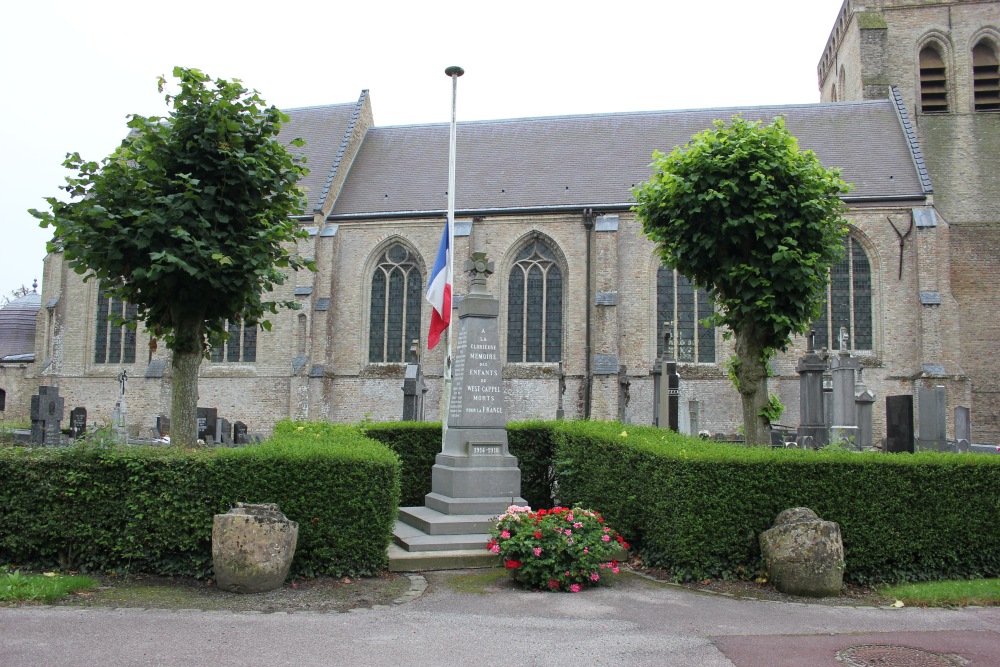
931 415
77 422
47 408
668 394
207 418
240 433
475 477
812 420
864 399
963 428
624 392
899 424
119 416
413 387
845 413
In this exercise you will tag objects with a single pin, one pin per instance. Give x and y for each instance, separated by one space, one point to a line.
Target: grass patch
17 587
479 582
959 593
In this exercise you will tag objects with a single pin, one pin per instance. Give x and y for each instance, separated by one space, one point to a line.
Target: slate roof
594 160
17 327
323 129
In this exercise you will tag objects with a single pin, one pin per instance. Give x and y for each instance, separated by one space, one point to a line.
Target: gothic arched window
397 292
534 306
681 307
848 301
113 344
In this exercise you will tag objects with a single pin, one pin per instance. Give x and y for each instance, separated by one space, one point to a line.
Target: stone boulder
804 554
252 548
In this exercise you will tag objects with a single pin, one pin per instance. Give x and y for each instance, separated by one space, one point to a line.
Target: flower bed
558 549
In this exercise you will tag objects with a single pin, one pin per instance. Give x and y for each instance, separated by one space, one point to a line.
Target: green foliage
188 220
17 587
748 216
773 410
696 508
559 549
960 593
149 509
190 213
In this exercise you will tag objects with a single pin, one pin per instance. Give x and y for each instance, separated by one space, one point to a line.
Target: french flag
439 290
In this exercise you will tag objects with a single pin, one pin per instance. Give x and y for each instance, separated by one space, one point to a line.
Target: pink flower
567 533
538 551
605 538
553 584
574 588
586 550
569 517
578 525
615 569
594 576
505 534
495 548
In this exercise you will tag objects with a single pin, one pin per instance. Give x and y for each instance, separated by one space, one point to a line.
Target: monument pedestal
475 478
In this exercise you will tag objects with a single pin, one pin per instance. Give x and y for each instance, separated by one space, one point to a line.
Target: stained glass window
848 301
240 346
534 306
681 306
397 293
113 344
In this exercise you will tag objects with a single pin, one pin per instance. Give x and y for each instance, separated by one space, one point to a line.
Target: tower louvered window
682 307
986 77
114 344
848 302
397 292
933 82
534 306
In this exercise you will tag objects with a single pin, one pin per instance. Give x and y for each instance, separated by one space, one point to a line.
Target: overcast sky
73 70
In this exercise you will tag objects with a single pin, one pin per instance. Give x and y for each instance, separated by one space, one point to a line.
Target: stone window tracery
241 346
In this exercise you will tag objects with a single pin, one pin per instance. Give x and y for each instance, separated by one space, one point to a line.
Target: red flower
512 564
492 543
538 535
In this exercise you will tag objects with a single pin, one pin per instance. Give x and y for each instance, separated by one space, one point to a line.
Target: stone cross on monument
475 477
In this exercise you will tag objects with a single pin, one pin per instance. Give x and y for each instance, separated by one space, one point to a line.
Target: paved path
637 622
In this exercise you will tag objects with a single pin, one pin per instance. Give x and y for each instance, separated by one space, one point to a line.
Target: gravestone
77 422
413 387
670 385
812 418
963 424
694 417
47 408
119 416
845 414
163 425
240 433
864 398
899 424
223 429
931 413
206 422
475 477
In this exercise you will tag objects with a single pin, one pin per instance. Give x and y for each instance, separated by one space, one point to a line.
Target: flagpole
454 72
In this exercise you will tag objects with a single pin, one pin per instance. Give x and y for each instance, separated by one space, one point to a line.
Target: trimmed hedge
696 508
149 509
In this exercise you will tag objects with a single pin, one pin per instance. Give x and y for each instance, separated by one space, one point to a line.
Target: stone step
401 560
492 506
411 538
433 522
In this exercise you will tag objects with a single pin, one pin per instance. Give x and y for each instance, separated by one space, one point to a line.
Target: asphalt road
636 622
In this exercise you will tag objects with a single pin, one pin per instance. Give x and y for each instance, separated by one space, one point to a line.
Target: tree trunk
187 355
751 377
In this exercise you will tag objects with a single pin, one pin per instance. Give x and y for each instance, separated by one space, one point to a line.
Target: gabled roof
323 128
595 160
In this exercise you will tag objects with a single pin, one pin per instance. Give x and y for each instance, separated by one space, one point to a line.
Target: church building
909 111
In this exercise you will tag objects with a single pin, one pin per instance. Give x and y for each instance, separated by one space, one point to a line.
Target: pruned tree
189 221
746 214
